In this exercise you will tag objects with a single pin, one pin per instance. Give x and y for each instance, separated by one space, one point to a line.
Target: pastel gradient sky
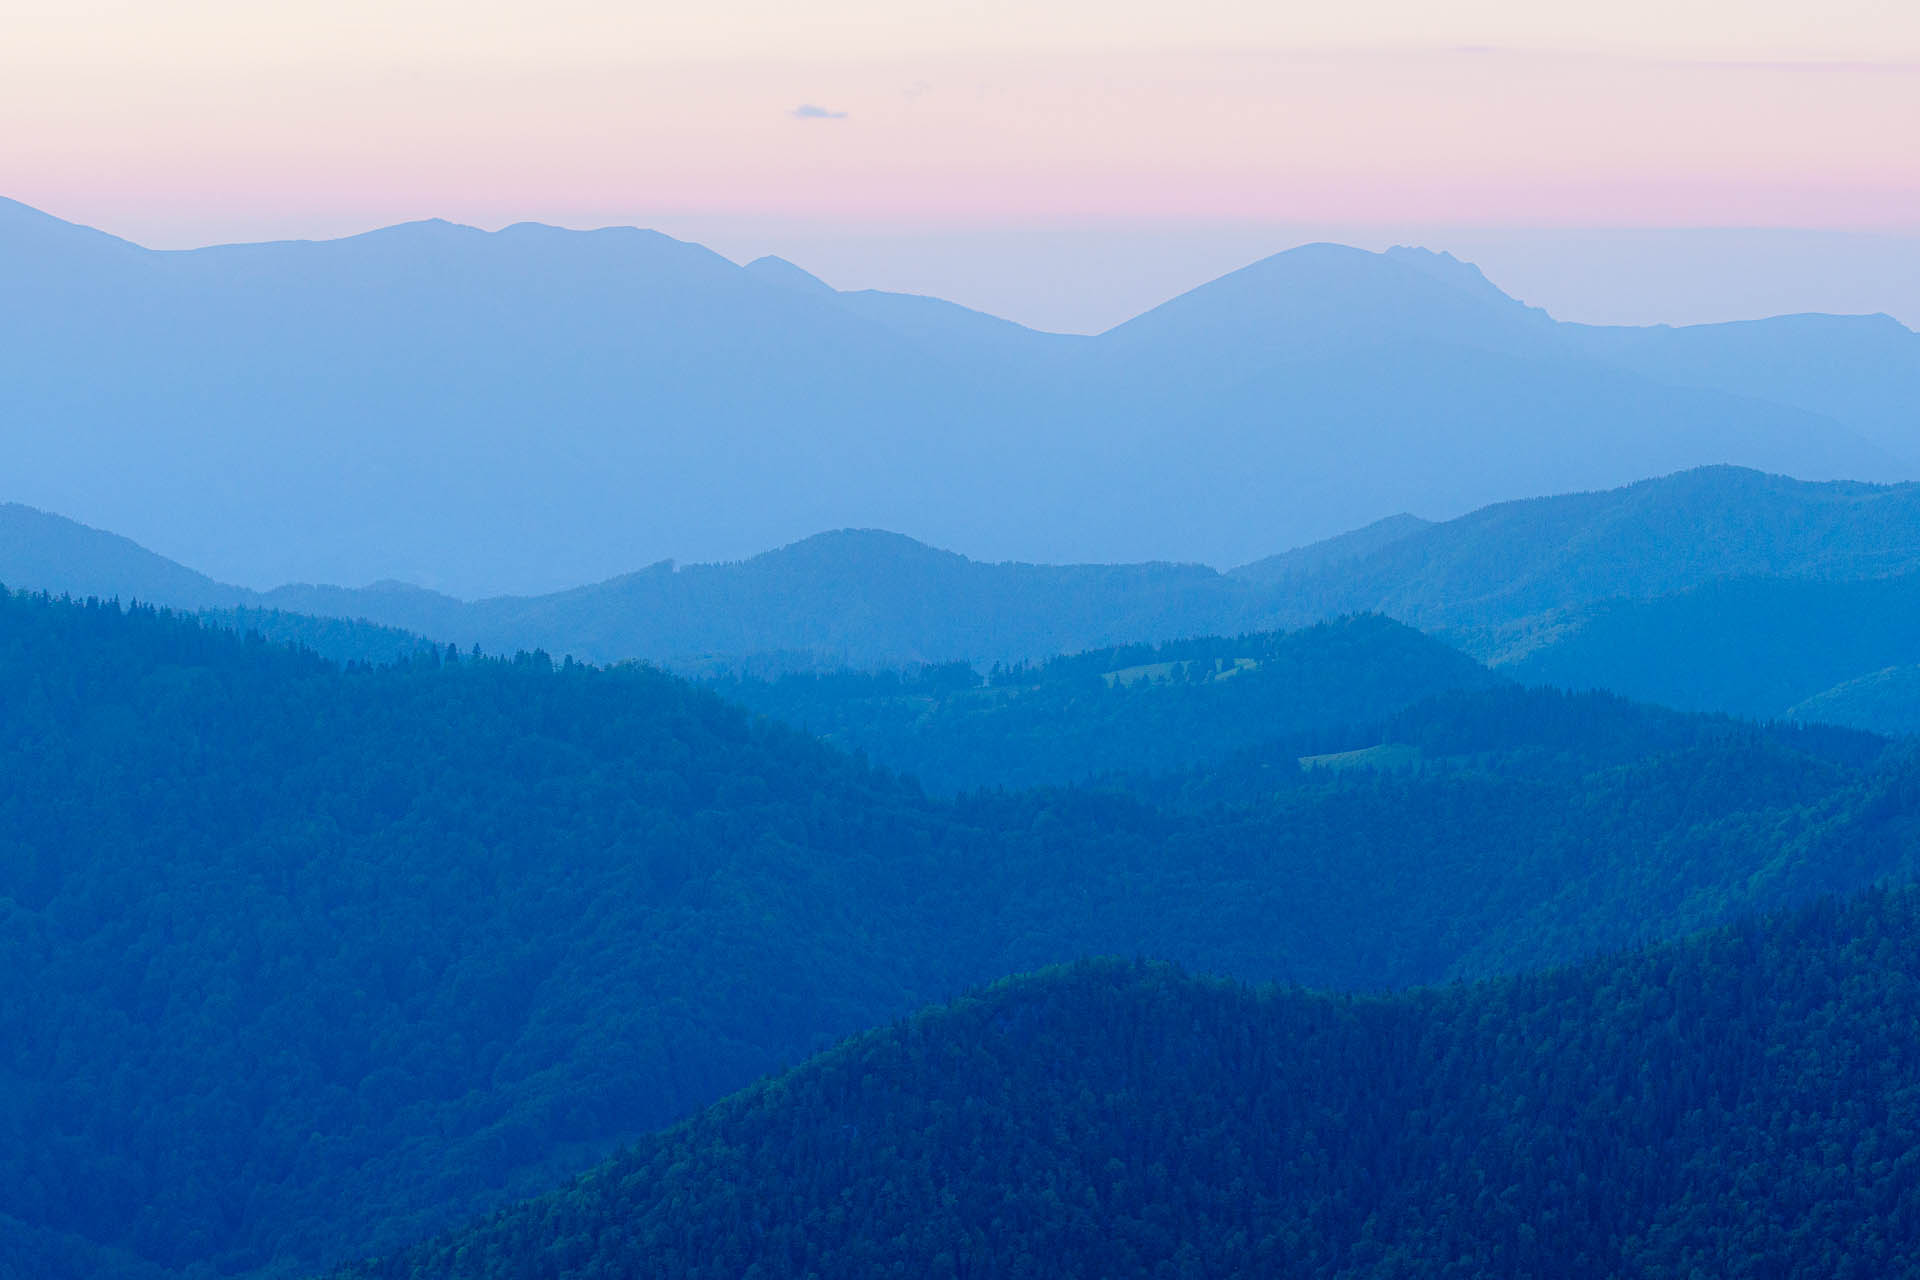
191 121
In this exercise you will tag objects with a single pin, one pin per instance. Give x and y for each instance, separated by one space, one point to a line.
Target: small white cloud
807 111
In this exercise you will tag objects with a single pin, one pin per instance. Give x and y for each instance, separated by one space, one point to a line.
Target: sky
924 131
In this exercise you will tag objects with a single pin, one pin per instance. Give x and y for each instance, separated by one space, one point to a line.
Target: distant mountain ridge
1519 560
1502 583
48 552
528 408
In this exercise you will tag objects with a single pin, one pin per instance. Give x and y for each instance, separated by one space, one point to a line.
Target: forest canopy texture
1746 1104
307 962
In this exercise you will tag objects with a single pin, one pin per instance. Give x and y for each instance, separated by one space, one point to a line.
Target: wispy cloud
807 111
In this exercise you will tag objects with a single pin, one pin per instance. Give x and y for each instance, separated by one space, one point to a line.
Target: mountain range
1553 861
533 408
1716 589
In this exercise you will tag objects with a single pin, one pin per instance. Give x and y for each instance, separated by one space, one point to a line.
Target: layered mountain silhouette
1581 588
531 408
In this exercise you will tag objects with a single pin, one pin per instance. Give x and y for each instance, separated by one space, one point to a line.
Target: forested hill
1478 576
1134 710
295 953
305 962
1740 1105
1758 647
1497 583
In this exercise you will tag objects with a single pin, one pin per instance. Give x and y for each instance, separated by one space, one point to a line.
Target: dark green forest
1746 1104
306 962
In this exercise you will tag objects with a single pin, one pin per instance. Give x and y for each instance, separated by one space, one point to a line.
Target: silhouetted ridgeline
306 963
1500 583
1736 1105
534 408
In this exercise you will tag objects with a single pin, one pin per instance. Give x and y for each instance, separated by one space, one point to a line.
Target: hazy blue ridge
525 410
1759 647
1885 701
1499 583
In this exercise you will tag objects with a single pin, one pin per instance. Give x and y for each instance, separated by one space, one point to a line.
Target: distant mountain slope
1329 553
1884 701
866 597
39 551
363 951
1754 646
1861 370
1498 583
337 639
1479 575
42 552
1137 710
533 408
1629 1117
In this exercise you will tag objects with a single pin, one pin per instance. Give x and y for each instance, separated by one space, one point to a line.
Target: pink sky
1064 162
185 122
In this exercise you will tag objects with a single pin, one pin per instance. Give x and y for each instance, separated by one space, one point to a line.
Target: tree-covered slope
291 948
1885 701
1498 583
1139 709
1744 1104
1479 576
1751 646
337 639
305 961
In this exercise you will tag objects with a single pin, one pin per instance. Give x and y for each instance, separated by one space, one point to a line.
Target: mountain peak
23 224
1321 298
1443 266
859 546
783 274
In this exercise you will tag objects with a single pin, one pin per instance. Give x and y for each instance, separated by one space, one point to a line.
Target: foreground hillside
1741 1104
306 961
